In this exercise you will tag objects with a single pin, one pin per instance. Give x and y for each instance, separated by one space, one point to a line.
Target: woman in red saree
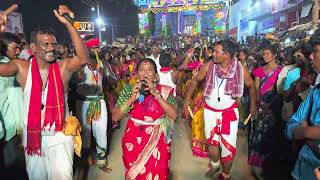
145 143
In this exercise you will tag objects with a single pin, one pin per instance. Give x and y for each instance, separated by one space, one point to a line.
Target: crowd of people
54 103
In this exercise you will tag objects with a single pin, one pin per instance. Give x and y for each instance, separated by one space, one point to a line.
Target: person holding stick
225 80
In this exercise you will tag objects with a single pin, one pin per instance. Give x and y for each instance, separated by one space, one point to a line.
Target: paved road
184 166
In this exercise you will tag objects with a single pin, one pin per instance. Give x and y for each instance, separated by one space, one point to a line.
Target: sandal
103 165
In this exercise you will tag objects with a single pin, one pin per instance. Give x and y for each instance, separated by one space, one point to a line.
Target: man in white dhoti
48 135
225 80
91 107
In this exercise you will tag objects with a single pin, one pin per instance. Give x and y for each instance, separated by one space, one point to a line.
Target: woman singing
151 109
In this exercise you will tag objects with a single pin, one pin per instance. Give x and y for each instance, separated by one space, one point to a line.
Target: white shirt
166 79
282 76
226 101
156 60
89 86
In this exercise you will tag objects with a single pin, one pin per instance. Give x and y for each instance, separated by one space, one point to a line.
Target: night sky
121 13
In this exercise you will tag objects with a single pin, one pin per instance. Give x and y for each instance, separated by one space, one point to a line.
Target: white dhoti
56 160
221 127
98 127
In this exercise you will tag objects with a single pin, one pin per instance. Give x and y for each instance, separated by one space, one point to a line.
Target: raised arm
75 63
3 16
187 59
202 74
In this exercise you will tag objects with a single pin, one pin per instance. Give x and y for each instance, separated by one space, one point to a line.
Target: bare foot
212 171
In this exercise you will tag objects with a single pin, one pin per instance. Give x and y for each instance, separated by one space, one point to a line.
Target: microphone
142 92
74 23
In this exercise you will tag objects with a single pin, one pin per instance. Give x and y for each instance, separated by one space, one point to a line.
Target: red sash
54 107
228 115
165 69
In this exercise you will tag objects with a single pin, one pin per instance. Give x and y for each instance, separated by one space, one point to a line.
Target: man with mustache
225 82
47 136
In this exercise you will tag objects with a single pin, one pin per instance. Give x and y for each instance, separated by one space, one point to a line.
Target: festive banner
143 23
204 7
164 23
162 3
198 22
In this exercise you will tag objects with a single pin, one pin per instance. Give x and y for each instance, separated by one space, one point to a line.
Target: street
184 166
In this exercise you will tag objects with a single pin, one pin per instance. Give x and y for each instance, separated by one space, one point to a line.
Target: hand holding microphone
142 91
147 87
135 93
66 16
74 23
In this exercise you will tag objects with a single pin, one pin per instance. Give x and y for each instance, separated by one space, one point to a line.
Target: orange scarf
54 107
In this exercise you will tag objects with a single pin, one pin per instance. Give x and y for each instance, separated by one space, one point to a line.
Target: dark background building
121 15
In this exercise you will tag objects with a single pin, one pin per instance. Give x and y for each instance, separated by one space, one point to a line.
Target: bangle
158 96
124 108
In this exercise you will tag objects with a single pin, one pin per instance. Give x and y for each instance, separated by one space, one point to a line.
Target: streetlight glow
99 21
93 9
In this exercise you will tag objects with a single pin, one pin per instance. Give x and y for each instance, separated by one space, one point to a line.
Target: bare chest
24 71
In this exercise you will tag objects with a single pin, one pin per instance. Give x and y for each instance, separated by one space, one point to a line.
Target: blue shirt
307 161
292 76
